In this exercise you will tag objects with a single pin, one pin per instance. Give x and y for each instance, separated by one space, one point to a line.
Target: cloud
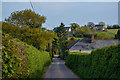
60 0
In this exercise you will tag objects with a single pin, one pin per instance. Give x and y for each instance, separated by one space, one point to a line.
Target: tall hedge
102 63
21 60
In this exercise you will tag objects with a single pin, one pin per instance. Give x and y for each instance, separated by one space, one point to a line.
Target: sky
67 12
60 0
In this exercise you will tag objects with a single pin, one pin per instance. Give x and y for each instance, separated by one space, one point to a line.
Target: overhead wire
32 5
40 12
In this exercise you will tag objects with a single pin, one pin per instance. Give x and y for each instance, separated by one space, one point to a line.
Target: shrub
21 60
37 61
15 61
101 63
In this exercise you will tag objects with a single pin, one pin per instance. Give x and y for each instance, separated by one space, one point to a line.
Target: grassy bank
101 63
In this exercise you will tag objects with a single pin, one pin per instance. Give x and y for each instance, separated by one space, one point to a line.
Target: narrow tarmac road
58 70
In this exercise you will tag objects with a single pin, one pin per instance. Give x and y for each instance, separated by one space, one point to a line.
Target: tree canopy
32 36
60 30
74 26
84 31
26 18
62 39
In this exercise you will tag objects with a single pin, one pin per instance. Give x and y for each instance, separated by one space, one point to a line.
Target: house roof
85 44
99 25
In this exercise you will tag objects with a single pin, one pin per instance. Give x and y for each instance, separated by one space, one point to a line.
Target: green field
109 34
106 35
112 31
75 38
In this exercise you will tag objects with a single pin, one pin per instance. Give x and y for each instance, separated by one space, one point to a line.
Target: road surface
58 70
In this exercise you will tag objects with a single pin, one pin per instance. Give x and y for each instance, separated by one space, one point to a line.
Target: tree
44 29
61 33
116 26
32 36
26 18
102 23
90 24
117 36
55 46
109 27
60 30
84 31
74 26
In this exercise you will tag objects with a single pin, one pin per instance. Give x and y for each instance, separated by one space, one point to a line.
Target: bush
37 61
15 61
32 36
21 60
101 63
117 36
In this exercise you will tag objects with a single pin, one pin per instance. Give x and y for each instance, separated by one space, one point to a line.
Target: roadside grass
79 53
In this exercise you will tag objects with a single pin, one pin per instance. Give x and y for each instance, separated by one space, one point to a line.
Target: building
87 45
100 27
119 12
97 26
68 29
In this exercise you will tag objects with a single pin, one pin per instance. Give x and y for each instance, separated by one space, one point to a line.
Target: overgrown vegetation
26 18
32 36
102 63
14 57
21 31
21 60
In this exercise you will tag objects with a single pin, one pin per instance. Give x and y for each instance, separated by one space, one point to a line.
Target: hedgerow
21 60
15 61
102 63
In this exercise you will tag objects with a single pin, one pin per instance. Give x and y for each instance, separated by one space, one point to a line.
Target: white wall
82 51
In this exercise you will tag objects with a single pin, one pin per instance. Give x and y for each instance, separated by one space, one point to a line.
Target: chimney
92 39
